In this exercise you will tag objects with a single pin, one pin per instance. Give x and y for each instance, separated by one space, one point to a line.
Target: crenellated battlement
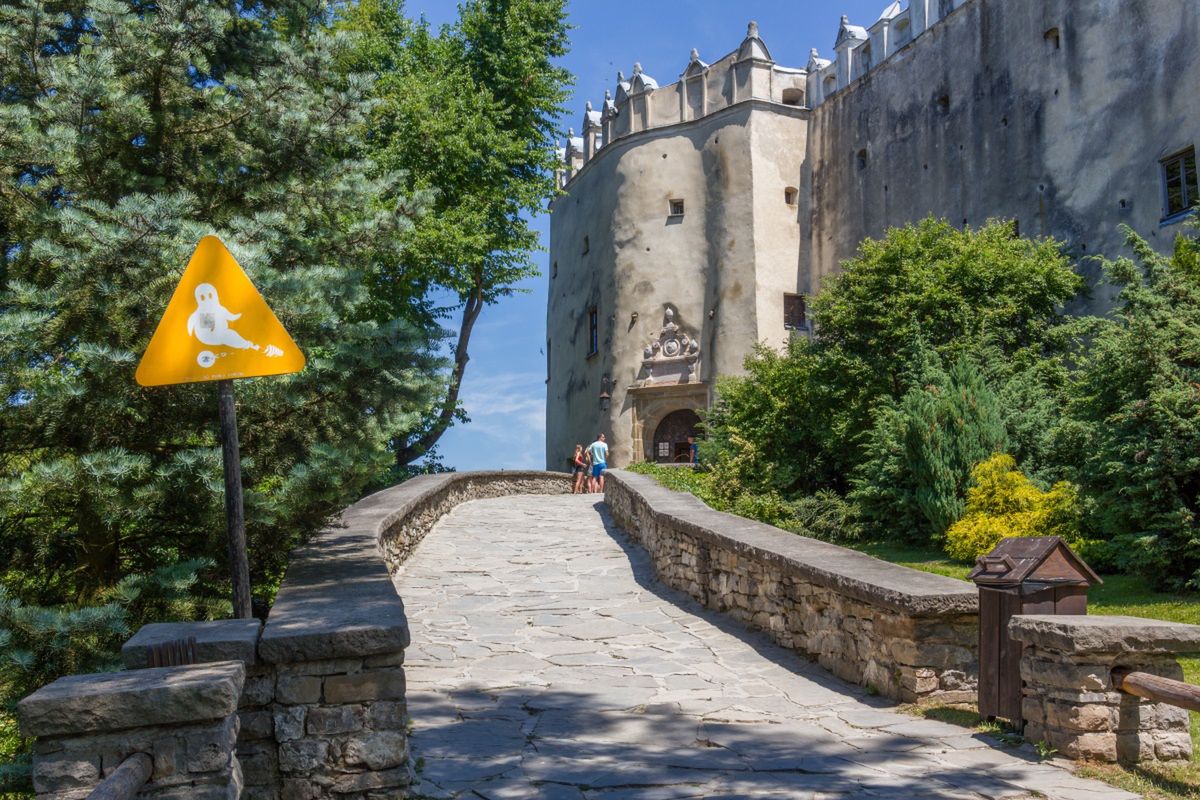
639 103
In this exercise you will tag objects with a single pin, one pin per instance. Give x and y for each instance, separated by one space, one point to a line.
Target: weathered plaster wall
982 116
736 235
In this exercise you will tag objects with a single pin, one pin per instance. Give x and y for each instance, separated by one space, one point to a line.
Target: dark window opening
554 270
593 331
860 158
790 194
793 312
587 245
793 97
1179 183
1053 38
675 208
943 103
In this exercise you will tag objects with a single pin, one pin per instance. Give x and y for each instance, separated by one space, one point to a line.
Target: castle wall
641 260
985 115
1054 113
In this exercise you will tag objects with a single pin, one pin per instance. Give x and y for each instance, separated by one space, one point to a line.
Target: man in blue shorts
598 450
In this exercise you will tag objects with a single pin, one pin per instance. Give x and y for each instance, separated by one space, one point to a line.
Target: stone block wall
909 635
1069 698
184 718
407 512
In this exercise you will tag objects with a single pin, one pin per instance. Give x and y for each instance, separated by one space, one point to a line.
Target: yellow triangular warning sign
216 327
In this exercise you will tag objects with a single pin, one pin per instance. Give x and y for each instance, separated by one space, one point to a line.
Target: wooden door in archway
671 436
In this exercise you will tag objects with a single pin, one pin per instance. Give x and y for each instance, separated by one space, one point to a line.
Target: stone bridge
638 645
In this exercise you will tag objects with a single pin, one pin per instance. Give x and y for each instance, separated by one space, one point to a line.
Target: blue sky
504 391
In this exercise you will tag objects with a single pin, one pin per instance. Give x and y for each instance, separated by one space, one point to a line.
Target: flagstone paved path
547 662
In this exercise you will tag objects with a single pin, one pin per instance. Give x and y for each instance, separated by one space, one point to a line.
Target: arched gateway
671 436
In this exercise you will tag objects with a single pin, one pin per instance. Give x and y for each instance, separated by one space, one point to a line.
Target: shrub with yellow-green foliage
1002 501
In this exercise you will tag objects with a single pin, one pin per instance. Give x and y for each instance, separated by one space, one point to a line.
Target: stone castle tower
696 217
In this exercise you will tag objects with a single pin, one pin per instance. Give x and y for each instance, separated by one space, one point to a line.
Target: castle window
943 103
554 270
1053 38
793 97
830 85
793 312
1180 189
675 208
587 245
860 158
789 195
593 331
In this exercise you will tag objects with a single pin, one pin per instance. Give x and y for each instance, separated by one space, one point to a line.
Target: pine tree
127 132
1130 436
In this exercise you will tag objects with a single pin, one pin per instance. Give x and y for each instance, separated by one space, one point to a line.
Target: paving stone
547 662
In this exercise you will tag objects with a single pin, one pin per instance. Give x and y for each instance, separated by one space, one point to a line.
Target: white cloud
508 423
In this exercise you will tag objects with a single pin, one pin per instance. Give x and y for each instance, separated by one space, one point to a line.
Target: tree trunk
413 450
98 541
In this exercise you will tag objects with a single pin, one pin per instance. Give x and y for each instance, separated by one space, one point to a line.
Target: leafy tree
1131 431
128 131
469 114
830 409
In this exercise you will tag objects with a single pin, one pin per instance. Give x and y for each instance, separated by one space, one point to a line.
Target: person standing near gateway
598 451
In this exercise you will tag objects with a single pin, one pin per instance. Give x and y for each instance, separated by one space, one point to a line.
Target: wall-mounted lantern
605 397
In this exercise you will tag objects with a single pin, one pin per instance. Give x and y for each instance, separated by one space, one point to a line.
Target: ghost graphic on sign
210 324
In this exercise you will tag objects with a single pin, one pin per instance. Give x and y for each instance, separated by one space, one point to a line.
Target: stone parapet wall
909 635
183 718
1070 701
405 513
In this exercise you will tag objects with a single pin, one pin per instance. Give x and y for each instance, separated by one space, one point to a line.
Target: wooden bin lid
1042 559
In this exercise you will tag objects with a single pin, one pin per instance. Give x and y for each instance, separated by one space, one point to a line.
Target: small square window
593 331
793 312
676 208
1180 191
789 195
664 449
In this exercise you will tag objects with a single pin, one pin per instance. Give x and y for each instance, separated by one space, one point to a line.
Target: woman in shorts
581 469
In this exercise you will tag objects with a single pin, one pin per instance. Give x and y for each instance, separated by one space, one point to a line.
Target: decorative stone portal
668 393
651 405
671 436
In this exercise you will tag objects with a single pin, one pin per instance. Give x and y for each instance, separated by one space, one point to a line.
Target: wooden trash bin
1022 575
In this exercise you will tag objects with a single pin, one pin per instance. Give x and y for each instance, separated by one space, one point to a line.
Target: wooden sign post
217 327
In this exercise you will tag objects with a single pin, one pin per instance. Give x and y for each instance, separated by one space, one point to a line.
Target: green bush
828 516
921 451
1002 501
